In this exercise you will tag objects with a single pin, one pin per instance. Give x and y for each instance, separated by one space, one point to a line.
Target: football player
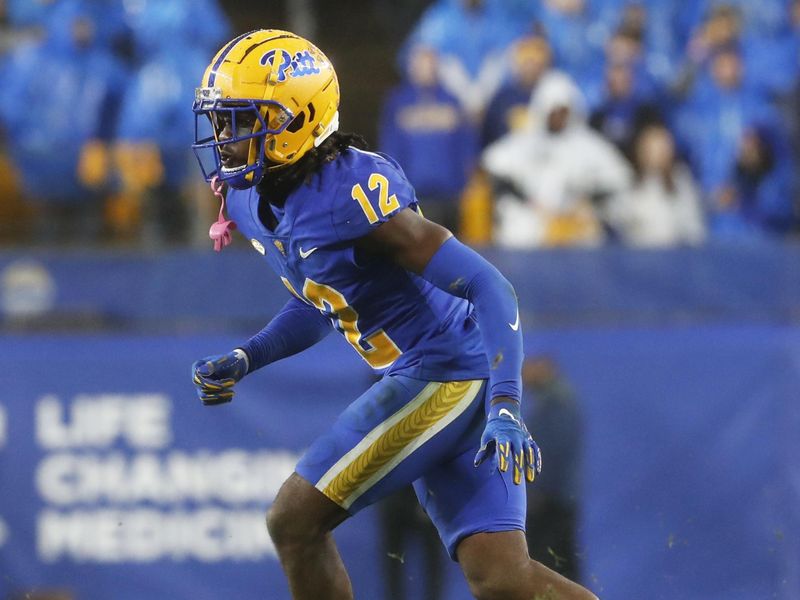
343 230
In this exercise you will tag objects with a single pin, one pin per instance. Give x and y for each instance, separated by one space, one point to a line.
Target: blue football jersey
394 319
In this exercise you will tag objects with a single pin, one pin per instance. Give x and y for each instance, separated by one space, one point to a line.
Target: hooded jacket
550 175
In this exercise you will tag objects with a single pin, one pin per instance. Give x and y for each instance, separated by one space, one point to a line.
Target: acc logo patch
302 63
258 246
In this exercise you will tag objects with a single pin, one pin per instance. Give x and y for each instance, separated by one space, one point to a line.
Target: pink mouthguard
220 231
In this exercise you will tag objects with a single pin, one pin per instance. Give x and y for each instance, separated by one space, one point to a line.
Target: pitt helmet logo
301 64
279 246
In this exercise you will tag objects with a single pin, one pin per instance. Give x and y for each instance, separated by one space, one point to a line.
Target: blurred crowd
650 123
96 120
523 123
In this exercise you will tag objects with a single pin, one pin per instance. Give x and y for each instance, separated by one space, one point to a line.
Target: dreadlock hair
278 183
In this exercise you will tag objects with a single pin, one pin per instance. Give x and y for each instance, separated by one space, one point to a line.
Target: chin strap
220 231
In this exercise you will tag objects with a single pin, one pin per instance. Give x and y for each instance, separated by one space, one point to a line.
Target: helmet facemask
243 119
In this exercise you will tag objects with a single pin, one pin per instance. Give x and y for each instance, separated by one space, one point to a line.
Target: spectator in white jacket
553 179
663 207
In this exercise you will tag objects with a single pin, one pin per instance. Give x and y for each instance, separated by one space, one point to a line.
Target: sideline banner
116 483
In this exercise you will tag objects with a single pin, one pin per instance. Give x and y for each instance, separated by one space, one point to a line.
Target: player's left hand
215 376
506 439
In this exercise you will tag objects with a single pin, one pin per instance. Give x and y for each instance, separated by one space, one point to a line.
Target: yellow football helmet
281 84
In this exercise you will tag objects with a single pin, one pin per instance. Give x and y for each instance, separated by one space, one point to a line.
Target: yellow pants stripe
388 444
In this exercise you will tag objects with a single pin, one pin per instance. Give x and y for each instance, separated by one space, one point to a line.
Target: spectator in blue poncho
663 39
28 13
622 110
36 15
622 96
763 18
471 38
428 132
773 60
154 136
626 47
756 199
155 23
655 22
788 100
530 59
626 97
575 35
769 60
715 116
155 128
61 97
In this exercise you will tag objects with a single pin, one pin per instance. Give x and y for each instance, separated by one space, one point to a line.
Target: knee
275 524
491 584
286 525
494 583
295 518
491 590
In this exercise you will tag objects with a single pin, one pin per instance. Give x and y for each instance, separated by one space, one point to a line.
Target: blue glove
506 436
215 376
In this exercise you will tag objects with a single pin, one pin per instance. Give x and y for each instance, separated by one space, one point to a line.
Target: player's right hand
506 436
215 376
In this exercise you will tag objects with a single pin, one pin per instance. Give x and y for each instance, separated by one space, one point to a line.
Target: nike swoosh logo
507 413
515 325
307 253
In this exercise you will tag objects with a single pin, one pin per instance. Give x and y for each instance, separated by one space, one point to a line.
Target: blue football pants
405 430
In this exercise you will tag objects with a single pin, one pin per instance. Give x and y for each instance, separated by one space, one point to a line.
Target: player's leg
480 515
384 440
300 523
496 566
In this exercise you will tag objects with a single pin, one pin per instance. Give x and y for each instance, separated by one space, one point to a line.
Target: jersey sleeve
370 194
